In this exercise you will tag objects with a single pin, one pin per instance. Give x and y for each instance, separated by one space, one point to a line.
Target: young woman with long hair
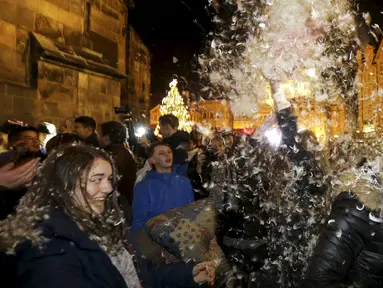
68 231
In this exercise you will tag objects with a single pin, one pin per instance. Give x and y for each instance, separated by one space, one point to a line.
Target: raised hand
14 178
279 97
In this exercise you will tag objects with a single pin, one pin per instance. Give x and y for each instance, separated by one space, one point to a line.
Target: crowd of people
296 214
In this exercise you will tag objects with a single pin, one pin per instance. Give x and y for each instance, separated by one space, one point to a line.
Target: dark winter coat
158 193
313 178
293 215
221 178
350 249
9 199
178 143
126 168
242 233
71 259
92 140
196 163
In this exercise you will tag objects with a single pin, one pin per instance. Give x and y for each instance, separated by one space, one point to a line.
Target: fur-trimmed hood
369 192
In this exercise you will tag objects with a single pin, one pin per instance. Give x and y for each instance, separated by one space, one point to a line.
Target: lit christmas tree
174 104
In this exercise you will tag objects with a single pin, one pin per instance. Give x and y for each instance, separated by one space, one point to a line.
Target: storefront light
274 137
140 131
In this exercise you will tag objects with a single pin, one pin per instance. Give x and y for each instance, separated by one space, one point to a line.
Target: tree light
173 103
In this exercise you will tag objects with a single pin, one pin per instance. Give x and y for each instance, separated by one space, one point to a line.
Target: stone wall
18 102
66 93
137 95
61 92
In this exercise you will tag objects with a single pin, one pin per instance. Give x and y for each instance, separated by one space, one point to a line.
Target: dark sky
179 28
171 28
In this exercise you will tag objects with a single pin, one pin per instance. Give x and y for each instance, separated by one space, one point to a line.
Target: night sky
179 28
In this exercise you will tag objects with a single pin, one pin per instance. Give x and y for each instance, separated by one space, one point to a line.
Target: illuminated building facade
379 84
324 119
209 113
368 98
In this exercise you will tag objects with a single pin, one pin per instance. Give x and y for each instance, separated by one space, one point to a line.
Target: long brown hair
54 188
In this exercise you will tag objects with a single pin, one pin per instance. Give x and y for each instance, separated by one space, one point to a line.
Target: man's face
165 130
30 141
162 158
81 131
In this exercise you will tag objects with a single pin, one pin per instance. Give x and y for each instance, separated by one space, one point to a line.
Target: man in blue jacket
161 190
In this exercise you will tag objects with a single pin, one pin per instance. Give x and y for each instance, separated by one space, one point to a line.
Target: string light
173 103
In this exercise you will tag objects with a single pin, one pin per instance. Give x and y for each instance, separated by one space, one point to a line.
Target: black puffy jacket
291 212
350 249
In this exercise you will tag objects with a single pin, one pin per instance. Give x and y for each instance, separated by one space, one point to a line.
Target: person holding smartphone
11 178
19 165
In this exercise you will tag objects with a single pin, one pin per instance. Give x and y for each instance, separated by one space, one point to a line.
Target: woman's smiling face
98 186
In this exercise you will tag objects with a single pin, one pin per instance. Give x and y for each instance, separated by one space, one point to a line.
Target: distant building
367 98
210 113
154 116
370 90
215 114
322 118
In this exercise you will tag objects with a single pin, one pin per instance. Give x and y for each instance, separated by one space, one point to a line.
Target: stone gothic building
63 58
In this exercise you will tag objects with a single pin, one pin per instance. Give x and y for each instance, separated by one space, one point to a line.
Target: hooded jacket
350 249
71 259
159 193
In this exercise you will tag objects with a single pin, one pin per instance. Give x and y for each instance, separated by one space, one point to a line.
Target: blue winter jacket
159 193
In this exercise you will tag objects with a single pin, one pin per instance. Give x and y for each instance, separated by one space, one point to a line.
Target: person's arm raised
279 96
11 177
